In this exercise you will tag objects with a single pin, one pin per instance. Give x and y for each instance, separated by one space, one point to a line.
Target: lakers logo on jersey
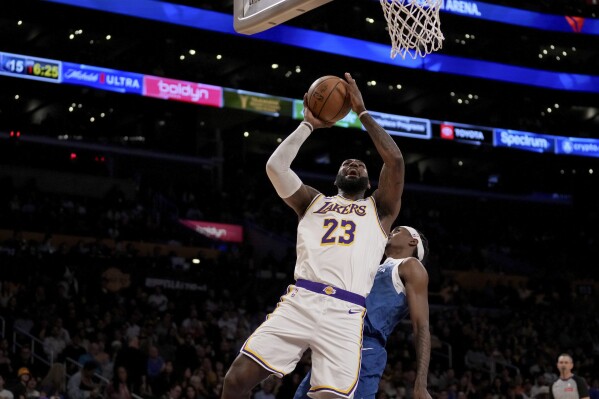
329 290
329 206
346 239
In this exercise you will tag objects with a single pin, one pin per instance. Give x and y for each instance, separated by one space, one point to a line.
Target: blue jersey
386 306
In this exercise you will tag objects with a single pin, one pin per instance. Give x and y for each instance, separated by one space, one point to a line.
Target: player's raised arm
391 180
278 168
415 278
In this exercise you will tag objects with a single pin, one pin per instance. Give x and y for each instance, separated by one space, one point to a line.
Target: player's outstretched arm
391 180
278 168
415 278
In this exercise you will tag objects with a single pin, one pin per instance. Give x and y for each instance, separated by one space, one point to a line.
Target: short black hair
90 365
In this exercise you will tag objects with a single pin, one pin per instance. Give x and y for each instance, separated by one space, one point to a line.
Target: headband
415 235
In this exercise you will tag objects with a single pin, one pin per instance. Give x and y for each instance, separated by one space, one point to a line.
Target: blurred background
141 238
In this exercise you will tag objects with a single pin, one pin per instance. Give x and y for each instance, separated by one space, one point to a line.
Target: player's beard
351 186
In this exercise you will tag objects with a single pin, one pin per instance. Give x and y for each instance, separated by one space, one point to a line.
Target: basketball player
400 286
568 385
340 241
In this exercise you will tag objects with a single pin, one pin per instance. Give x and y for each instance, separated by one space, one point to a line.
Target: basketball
329 99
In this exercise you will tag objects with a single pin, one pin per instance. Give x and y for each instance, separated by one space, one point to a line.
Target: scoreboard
30 67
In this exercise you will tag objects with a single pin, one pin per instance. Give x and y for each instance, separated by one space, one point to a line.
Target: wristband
309 126
362 113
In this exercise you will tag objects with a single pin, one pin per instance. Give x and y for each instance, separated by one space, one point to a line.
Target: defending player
400 287
340 241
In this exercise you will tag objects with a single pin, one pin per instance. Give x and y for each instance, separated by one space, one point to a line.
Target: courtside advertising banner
216 231
257 102
525 141
102 78
350 120
577 146
397 125
465 134
179 90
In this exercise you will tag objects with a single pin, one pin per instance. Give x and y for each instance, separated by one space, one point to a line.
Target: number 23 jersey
340 242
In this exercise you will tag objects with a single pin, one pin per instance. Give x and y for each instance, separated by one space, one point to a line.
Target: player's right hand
311 119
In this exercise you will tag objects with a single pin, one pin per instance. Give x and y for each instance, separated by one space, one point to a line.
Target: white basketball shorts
303 319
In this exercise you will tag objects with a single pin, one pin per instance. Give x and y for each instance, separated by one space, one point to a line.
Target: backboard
253 16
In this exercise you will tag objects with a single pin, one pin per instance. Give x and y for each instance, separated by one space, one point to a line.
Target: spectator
267 388
30 391
82 385
539 383
24 360
53 385
54 344
5 363
91 355
164 380
542 393
62 332
190 392
134 361
119 388
174 392
289 385
155 363
210 377
4 393
186 355
165 326
74 351
192 325
24 322
158 300
197 381
20 389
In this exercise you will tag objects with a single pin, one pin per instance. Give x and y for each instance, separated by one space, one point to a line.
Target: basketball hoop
414 26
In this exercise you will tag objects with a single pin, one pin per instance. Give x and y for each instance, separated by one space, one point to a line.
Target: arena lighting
349 47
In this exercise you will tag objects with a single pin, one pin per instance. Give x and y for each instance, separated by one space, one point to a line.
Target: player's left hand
357 102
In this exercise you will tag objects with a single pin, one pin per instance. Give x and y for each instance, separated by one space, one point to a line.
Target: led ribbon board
216 96
344 46
525 18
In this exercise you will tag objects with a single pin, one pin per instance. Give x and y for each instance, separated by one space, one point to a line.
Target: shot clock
30 67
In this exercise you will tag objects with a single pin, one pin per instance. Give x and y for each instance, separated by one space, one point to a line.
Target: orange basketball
329 99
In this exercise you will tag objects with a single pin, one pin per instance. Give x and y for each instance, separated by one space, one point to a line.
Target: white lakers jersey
340 242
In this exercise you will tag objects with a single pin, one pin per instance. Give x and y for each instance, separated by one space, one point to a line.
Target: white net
414 26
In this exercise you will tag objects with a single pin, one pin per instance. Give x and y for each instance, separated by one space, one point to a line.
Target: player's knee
235 381
243 375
